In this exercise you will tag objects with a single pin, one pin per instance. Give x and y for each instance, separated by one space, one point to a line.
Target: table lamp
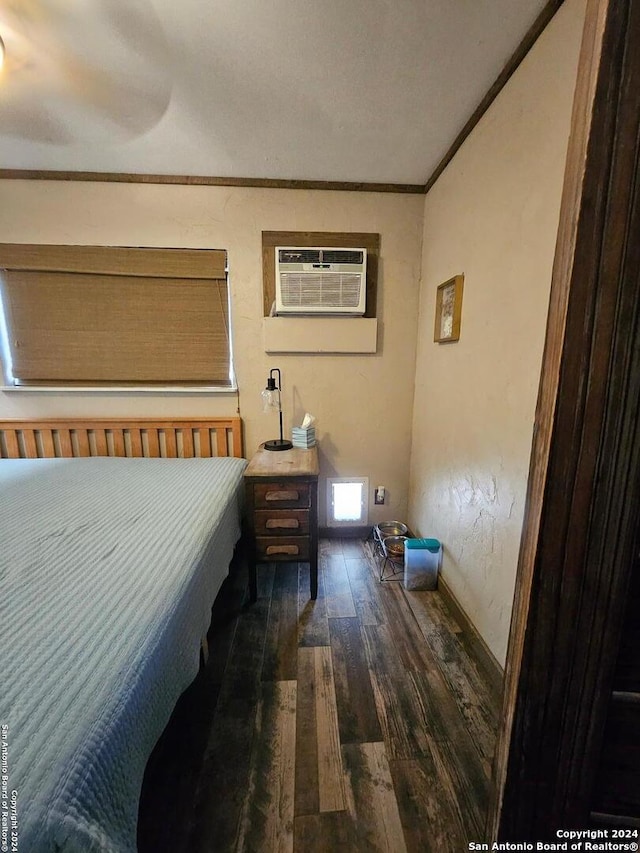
271 399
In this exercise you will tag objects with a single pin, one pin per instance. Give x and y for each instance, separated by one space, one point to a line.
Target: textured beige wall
363 403
493 215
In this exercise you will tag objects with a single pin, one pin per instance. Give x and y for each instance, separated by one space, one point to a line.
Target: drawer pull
272 550
290 495
282 523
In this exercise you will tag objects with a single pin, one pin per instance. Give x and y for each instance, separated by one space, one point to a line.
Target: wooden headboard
122 437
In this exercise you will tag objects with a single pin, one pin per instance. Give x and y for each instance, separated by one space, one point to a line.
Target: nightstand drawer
281 522
281 495
273 548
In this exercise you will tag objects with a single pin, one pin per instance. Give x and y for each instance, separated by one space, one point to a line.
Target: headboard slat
29 441
118 442
221 443
11 449
136 442
187 443
66 447
105 437
101 442
46 437
82 437
153 443
171 445
205 442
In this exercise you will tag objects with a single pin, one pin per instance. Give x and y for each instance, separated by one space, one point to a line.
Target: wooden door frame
583 498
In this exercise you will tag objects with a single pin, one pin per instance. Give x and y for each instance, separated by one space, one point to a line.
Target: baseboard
482 651
345 532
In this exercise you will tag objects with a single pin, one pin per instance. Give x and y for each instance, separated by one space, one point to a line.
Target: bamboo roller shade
97 314
115 260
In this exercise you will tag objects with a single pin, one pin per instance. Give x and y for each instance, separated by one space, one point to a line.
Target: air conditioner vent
325 290
318 280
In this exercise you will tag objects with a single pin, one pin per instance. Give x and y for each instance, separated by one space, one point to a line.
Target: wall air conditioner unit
320 280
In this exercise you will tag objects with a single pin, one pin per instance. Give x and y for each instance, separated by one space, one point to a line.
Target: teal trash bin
422 559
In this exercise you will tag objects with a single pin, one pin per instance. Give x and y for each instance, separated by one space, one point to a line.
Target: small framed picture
448 310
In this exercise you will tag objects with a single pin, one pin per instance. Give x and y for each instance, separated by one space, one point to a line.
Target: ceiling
319 90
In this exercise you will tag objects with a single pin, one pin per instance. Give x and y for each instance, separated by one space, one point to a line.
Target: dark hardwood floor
362 721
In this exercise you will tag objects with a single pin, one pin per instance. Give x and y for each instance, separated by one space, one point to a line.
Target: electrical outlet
379 495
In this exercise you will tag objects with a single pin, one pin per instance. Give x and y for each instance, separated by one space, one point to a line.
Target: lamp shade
271 400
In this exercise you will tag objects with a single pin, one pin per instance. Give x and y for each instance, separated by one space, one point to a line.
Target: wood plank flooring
359 722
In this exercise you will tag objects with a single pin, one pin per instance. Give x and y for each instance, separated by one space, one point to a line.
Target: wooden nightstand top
296 462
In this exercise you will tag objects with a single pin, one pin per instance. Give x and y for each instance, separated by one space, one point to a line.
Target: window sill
119 389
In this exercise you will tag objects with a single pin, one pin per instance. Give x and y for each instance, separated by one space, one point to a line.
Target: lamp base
278 444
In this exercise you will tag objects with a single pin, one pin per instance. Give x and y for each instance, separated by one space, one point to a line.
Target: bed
109 565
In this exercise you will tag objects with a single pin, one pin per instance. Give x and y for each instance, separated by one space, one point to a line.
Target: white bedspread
108 570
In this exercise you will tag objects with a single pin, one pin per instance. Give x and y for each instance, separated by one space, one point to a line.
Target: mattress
108 570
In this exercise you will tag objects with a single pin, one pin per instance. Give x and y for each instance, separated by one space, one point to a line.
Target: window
95 315
347 501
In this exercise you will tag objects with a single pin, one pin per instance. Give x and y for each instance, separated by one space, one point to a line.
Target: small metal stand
390 562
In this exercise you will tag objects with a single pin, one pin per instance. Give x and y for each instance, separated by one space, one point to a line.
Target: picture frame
448 310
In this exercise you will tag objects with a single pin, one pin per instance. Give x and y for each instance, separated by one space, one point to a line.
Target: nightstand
282 510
